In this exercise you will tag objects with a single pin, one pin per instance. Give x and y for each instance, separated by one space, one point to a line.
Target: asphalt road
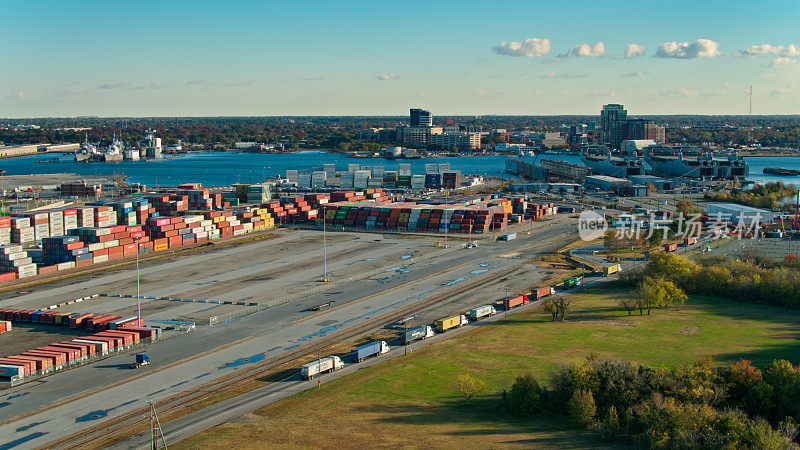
220 350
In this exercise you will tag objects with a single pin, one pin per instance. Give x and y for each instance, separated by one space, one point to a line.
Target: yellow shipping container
447 323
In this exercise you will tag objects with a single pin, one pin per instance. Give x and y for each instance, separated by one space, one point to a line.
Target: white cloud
529 48
309 78
768 50
781 61
678 93
562 75
701 48
388 76
637 74
611 93
598 49
634 51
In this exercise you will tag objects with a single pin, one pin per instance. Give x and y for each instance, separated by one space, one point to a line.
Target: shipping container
481 311
513 302
375 348
450 322
12 371
101 347
323 365
416 333
29 367
541 292
610 270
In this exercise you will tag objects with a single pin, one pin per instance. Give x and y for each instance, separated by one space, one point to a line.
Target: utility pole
155 429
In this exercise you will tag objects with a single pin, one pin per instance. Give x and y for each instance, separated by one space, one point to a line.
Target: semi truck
481 311
374 348
416 333
447 323
571 282
507 237
610 270
141 360
323 365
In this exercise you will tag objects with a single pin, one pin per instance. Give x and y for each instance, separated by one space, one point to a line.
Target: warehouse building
660 184
739 213
606 183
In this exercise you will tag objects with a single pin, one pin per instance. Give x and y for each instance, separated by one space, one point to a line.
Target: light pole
324 252
138 296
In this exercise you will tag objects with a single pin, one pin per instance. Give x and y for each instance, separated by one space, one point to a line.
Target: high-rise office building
421 118
636 129
609 115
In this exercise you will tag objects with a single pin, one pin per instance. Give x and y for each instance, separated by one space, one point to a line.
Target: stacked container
22 231
13 259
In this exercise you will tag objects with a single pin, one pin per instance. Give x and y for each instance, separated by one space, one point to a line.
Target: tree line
690 406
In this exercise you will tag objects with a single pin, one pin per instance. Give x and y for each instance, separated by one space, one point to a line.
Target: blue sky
198 58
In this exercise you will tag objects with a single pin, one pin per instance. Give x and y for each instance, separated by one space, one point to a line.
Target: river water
225 168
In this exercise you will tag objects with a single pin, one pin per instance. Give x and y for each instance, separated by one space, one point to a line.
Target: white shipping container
327 364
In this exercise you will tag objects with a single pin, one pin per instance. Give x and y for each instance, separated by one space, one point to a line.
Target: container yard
65 239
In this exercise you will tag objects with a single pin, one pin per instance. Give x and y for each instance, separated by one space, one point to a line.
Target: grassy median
411 401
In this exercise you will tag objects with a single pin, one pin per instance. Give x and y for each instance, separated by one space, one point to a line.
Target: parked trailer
416 333
447 323
372 349
12 371
481 311
320 366
670 247
28 366
100 347
610 270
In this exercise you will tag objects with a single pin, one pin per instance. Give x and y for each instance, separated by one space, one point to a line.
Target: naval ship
693 162
601 160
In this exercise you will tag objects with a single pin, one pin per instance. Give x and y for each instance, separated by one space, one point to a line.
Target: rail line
105 431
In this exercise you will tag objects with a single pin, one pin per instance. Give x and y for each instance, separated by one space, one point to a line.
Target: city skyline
316 58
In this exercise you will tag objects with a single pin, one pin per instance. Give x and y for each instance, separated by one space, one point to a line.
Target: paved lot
262 335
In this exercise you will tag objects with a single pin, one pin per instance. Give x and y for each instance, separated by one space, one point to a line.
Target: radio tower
750 117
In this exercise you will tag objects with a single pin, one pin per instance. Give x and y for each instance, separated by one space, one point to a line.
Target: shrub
525 397
581 408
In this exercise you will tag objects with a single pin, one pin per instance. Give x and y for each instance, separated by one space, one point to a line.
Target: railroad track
102 432
129 422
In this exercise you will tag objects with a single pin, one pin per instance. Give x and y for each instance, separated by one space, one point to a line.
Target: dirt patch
607 323
689 330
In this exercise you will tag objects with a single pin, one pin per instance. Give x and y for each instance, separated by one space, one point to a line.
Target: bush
581 408
525 397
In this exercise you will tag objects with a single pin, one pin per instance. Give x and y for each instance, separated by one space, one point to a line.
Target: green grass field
411 401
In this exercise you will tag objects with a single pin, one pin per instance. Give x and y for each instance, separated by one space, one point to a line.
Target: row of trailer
421 332
90 321
65 354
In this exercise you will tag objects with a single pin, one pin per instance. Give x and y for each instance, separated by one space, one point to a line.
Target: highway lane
272 329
